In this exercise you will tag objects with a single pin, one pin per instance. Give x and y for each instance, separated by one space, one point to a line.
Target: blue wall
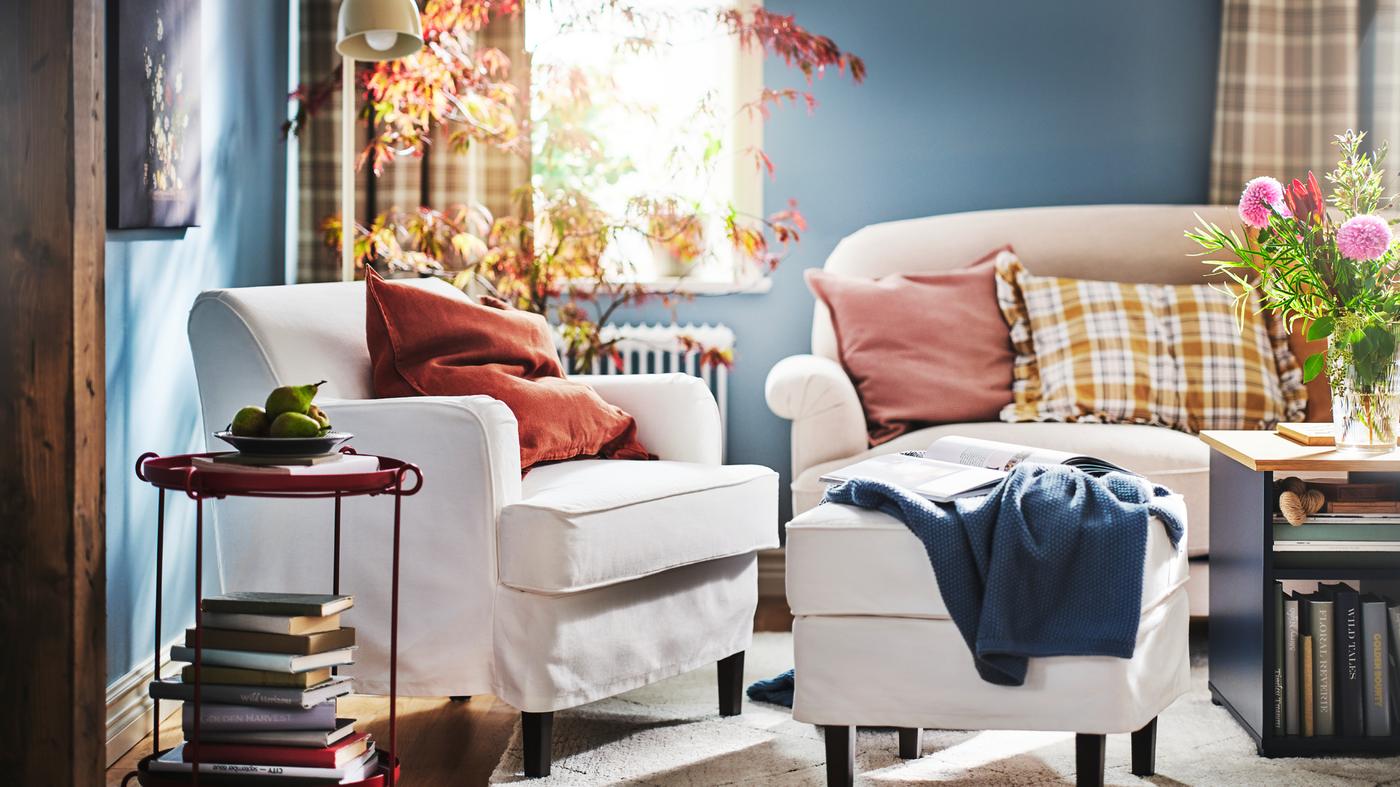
967 106
153 278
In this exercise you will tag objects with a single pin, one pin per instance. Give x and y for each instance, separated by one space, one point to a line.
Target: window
647 103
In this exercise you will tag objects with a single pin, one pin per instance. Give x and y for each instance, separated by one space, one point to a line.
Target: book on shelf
1305 651
1350 696
1321 623
1290 664
335 755
1377 666
346 464
270 662
218 717
262 642
1337 531
1276 685
255 603
173 761
954 466
265 696
233 676
306 739
272 624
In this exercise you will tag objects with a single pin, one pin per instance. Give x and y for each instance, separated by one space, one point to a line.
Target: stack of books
1336 663
268 693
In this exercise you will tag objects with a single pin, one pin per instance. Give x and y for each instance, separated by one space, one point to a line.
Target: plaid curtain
1288 83
480 175
1385 84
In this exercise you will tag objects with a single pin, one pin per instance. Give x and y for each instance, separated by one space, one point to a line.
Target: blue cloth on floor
1048 564
775 690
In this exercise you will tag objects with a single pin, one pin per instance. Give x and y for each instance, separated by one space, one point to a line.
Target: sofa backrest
249 340
1135 243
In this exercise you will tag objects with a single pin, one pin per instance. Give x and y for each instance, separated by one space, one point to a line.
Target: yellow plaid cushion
1169 355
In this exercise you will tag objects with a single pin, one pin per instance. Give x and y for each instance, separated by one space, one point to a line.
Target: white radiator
657 349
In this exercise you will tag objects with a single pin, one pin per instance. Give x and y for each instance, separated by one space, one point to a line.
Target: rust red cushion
423 343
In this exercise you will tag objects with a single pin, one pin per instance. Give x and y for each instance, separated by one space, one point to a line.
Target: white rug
670 733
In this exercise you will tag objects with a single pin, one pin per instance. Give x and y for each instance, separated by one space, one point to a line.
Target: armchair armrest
677 417
817 396
471 442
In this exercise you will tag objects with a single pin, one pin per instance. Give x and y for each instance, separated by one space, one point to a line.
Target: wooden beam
52 383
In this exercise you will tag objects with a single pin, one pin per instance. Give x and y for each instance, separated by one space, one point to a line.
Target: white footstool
876 647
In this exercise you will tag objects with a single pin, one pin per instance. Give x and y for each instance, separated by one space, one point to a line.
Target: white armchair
548 591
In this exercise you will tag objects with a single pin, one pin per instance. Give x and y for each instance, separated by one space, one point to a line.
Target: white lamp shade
379 29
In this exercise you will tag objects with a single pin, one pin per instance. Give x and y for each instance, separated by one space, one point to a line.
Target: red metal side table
178 474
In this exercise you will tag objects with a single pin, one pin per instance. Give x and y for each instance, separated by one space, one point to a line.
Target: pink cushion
922 349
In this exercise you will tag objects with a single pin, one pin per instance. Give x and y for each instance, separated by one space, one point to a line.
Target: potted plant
1333 270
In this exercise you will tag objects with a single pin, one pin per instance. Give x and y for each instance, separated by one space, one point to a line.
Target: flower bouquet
1334 271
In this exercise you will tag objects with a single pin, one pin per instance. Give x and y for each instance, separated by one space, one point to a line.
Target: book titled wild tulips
1334 271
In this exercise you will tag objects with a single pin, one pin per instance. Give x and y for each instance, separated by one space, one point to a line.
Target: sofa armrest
677 417
817 396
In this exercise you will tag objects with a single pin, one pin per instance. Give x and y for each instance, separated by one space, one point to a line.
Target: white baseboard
129 706
772 573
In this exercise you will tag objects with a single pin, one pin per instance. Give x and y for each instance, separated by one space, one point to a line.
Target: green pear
294 425
320 416
291 399
251 421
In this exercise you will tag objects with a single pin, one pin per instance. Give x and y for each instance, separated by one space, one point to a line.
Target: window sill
670 285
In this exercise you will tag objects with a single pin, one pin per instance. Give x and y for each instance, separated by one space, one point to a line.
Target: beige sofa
1138 243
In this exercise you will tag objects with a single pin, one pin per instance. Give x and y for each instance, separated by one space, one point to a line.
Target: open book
954 466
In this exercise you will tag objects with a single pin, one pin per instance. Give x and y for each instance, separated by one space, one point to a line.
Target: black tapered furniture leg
1145 750
911 743
840 756
460 698
731 684
537 734
1088 760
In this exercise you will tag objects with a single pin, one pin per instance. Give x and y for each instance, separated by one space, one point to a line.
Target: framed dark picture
153 146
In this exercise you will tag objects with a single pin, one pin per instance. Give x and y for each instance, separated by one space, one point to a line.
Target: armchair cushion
437 344
590 523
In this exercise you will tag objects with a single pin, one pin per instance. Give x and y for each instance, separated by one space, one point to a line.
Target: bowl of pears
287 424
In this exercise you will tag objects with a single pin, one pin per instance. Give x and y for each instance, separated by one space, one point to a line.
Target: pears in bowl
287 423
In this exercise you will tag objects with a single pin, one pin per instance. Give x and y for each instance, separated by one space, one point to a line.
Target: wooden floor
448 743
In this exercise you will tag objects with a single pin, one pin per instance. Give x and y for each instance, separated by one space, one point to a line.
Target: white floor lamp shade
368 30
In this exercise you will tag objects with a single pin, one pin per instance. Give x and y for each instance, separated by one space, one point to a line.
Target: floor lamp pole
347 170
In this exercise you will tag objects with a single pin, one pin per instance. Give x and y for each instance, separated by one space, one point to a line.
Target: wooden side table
1243 570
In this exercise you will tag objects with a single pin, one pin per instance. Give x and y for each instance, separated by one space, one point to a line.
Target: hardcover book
1378 677
272 624
271 662
266 696
1321 625
1306 649
232 676
294 644
334 756
215 717
1290 666
173 761
307 739
1276 689
316 604
1351 695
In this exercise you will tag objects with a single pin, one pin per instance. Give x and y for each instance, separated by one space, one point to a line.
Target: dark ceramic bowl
284 446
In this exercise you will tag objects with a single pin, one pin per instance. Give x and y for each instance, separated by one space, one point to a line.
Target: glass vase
1365 411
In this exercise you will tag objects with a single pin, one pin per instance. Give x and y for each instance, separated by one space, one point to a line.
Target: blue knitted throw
1048 564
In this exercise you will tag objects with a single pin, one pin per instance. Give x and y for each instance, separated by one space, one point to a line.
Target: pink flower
1363 238
1261 197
